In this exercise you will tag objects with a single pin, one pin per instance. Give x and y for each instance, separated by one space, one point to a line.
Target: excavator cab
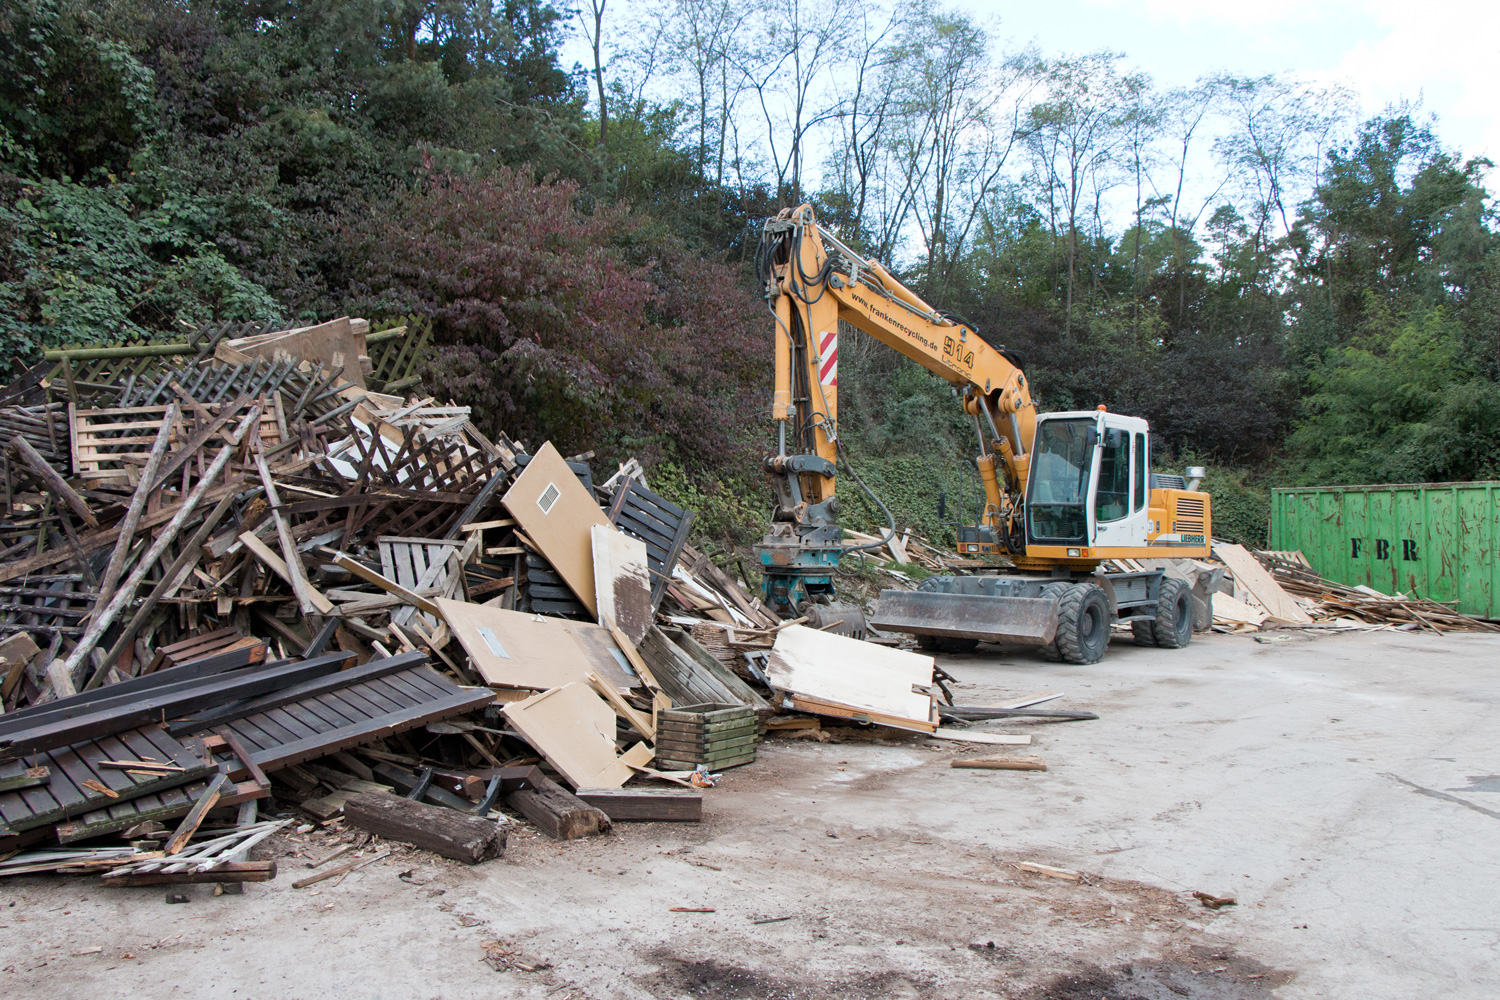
1089 484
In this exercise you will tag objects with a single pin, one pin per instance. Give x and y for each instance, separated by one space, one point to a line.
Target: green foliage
85 265
1241 502
1399 406
724 508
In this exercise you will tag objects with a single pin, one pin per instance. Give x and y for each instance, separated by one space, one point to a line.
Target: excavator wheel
1173 627
1050 652
1144 632
1083 623
945 644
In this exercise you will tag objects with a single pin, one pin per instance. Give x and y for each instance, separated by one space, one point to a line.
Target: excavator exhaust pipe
1030 621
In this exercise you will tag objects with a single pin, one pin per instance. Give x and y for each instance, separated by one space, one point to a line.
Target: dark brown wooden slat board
658 522
64 796
365 710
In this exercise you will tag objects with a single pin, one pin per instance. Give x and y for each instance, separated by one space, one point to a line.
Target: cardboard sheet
512 649
556 512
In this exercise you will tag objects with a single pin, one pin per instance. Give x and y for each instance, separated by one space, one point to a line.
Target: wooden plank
556 512
292 569
1027 763
1252 576
642 723
365 573
970 736
196 815
448 832
622 581
649 805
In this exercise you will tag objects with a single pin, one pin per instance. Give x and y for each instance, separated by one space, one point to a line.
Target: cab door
1121 485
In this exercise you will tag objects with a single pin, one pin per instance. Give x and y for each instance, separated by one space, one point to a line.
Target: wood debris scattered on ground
1252 591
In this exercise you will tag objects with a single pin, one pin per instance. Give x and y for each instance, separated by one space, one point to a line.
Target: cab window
1112 500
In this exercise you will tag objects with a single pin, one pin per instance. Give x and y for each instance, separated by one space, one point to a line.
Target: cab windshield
1063 457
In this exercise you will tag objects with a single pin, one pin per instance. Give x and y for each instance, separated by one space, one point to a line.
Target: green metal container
1440 541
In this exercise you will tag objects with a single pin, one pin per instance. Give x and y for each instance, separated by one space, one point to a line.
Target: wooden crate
712 734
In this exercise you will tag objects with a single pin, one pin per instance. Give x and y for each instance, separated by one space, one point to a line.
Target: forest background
1292 290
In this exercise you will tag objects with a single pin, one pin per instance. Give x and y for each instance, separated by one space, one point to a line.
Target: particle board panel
521 650
878 680
556 512
574 729
622 581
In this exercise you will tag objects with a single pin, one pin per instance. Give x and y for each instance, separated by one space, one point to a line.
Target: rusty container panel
1434 540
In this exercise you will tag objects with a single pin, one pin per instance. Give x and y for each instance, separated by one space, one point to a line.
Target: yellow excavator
1063 492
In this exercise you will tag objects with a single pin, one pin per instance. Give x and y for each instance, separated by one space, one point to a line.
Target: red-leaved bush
596 331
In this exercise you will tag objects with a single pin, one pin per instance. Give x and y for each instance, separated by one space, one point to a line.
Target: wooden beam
651 805
557 812
143 490
453 834
229 871
55 483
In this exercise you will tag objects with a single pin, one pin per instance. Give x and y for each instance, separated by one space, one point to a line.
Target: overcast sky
1445 52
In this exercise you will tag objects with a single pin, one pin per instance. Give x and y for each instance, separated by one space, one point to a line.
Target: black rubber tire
1144 632
1083 623
1173 627
946 644
1050 652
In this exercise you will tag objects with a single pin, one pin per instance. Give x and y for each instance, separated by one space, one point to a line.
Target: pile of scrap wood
1251 591
906 548
1360 607
238 578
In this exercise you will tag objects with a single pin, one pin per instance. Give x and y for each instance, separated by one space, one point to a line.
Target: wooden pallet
111 445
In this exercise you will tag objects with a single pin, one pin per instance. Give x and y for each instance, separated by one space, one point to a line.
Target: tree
1073 133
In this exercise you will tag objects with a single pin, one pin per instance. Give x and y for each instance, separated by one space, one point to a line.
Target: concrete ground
1344 789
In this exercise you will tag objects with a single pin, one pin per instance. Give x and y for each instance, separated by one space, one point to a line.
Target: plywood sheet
1251 575
859 674
622 581
556 512
1231 611
333 344
515 649
574 729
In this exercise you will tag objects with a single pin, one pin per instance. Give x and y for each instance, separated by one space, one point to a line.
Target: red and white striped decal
828 351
